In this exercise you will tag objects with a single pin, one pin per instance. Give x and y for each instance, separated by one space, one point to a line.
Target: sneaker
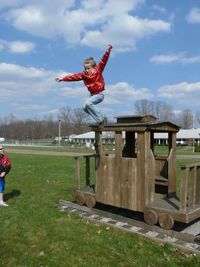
2 203
103 122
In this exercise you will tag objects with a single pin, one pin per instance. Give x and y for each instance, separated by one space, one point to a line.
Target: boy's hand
2 174
58 79
109 47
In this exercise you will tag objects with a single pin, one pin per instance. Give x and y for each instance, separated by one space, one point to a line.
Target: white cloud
17 82
128 93
183 93
179 58
124 31
159 8
193 16
18 47
21 47
92 24
1 46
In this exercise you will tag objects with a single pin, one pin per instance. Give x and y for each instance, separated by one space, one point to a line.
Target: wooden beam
183 188
77 172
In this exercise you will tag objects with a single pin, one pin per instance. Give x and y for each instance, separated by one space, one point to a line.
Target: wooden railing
87 169
189 186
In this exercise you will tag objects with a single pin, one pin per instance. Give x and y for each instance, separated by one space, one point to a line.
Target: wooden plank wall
161 168
145 171
198 186
129 184
172 164
140 170
190 187
116 179
149 171
99 162
118 167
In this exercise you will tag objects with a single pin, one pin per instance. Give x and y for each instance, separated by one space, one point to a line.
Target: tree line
74 121
164 112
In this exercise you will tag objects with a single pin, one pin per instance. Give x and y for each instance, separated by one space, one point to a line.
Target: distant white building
184 137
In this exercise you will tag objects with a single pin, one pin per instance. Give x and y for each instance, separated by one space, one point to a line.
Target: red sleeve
74 77
6 164
104 60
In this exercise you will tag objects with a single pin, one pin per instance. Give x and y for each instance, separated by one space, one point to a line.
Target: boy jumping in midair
93 79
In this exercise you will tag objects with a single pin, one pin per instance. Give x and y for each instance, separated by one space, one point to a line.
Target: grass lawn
35 233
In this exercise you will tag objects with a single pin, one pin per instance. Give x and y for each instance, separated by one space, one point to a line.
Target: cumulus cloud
184 93
159 8
18 82
92 23
123 90
18 47
172 58
193 16
21 47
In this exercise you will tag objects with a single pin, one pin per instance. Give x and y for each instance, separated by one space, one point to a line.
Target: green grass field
34 232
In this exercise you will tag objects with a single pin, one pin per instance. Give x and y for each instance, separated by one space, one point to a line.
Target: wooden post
172 164
149 173
183 188
87 172
117 171
98 167
77 172
152 141
140 171
192 186
198 186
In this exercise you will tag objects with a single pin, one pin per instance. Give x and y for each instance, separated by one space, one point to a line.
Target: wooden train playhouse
133 177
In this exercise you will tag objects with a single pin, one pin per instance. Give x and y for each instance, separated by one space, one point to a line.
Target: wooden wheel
166 221
90 201
80 198
150 217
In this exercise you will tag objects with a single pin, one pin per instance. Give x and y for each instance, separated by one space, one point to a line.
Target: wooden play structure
133 177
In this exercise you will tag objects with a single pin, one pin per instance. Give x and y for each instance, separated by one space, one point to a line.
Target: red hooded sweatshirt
93 81
5 164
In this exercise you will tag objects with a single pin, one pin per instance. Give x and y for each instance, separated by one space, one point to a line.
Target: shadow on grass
12 194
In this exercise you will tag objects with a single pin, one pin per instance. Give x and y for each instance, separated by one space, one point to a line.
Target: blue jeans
90 109
2 185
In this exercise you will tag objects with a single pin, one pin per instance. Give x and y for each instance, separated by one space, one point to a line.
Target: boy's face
88 68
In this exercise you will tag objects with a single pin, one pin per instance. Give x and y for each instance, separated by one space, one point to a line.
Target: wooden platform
171 206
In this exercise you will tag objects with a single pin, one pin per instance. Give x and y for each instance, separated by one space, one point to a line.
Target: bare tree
144 107
158 109
186 119
197 117
65 115
79 121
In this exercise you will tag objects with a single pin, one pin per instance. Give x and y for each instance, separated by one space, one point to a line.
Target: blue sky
155 56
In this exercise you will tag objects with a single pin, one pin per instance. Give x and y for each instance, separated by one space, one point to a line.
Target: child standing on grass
94 81
5 166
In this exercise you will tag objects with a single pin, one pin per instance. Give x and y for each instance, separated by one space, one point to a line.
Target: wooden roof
138 124
135 118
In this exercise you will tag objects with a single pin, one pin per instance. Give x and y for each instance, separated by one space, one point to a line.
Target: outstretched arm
105 57
70 78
